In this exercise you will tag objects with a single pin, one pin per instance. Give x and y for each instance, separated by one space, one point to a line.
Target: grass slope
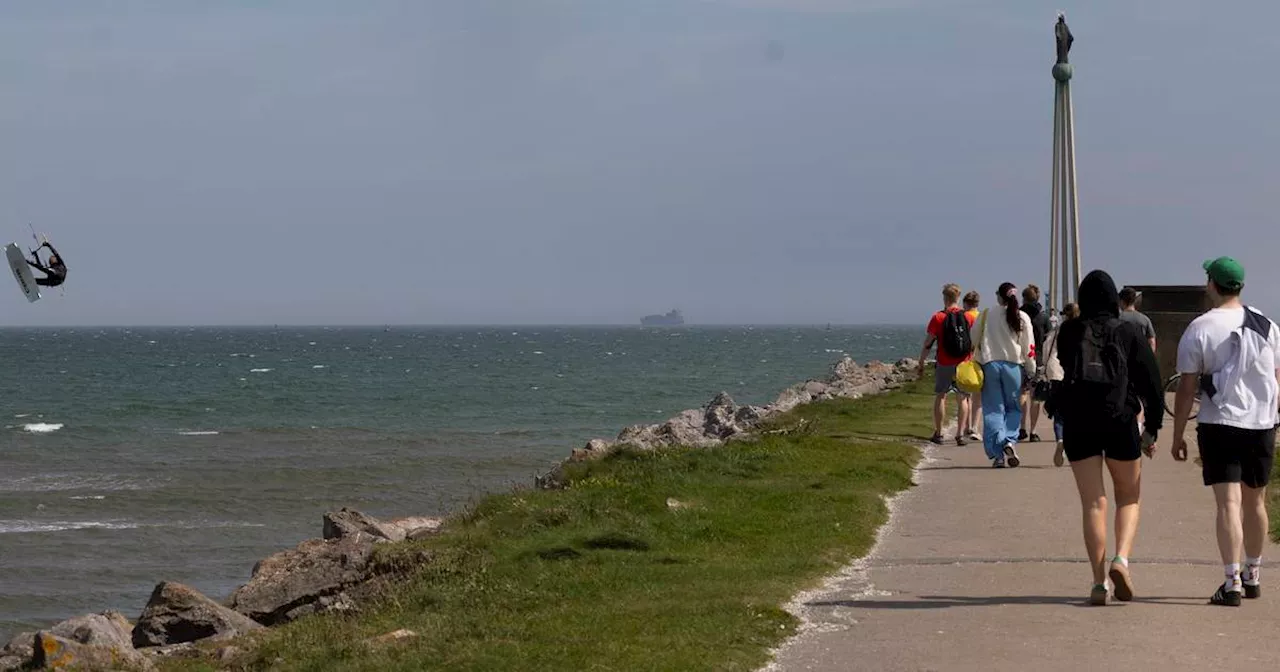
608 575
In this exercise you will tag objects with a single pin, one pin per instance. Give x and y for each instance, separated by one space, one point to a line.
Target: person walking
949 328
1053 375
1109 375
971 302
1129 298
1003 345
1040 326
1230 355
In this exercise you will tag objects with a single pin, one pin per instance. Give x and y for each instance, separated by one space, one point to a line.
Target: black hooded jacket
1099 301
1039 328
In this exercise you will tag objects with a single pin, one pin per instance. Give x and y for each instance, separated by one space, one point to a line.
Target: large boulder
304 580
416 527
595 449
18 651
176 614
686 429
790 398
92 642
348 522
641 437
720 419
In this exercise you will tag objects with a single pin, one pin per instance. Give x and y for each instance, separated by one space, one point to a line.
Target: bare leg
1093 504
1024 400
1229 526
939 412
1254 504
1035 415
975 415
1127 479
965 401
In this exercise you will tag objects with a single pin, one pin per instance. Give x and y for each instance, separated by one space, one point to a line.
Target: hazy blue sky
593 160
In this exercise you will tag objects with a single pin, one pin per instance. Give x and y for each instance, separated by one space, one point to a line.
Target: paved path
983 569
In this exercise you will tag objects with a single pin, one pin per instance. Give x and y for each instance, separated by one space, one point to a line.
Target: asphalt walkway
983 569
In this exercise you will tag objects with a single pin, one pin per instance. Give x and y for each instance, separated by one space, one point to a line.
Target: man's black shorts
1113 439
1234 455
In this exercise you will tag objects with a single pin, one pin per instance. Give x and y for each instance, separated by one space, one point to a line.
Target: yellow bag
969 373
969 377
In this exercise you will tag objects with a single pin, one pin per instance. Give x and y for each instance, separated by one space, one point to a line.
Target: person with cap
1229 356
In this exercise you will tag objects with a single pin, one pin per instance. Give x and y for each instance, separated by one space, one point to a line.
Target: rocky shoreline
339 571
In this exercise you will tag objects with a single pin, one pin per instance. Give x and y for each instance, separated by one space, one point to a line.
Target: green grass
604 575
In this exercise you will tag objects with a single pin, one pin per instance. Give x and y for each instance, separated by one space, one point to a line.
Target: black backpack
955 339
1098 378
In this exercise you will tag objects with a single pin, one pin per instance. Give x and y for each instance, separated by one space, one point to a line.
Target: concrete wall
1171 308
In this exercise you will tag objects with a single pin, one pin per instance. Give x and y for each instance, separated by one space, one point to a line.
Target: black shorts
1113 439
1234 455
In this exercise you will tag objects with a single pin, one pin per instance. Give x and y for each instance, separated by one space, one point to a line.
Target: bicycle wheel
1171 393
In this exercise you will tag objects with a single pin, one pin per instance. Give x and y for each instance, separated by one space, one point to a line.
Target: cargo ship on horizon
671 319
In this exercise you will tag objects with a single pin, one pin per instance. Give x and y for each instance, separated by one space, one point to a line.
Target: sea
133 456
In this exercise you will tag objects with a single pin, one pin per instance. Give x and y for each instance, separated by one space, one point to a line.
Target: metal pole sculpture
1064 226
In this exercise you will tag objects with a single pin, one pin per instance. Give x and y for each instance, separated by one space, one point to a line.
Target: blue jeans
1001 412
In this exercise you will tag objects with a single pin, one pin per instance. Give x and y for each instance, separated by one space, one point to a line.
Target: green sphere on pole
1062 72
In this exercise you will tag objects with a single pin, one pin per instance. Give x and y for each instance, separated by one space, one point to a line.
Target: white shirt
996 342
1052 365
1241 361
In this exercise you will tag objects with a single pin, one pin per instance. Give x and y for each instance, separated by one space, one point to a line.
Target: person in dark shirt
1099 425
1040 327
55 272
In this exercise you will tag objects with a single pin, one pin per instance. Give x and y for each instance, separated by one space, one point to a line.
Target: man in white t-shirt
1229 356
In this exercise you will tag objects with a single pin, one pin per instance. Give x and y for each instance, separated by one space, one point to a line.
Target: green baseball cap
1226 272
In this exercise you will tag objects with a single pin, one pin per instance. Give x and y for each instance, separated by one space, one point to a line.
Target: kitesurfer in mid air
55 272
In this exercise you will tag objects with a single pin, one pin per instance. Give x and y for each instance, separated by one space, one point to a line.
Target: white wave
199 433
42 427
319 366
59 482
258 370
537 352
22 415
21 526
99 497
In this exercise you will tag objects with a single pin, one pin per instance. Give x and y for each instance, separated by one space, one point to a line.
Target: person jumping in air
55 272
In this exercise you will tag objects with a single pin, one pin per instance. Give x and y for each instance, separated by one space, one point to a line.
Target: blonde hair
972 300
1031 294
951 292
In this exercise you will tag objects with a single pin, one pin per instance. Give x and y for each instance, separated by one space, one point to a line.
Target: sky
592 161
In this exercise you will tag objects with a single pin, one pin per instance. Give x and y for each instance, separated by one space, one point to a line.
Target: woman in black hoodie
1110 374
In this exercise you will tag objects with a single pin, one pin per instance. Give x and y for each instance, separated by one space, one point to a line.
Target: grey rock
720 417
685 429
21 645
107 629
790 398
595 449
176 614
95 642
747 416
844 369
816 388
292 583
643 437
10 663
416 527
346 522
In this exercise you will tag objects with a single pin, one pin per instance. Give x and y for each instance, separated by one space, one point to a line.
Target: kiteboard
22 272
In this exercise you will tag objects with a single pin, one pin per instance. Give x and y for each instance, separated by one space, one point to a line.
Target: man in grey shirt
1129 298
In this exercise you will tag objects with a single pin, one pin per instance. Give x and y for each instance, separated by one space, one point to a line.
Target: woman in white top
1005 347
1054 374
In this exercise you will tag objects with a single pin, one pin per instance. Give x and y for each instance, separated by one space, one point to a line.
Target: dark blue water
132 456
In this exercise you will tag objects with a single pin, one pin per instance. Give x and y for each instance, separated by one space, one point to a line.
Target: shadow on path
949 601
